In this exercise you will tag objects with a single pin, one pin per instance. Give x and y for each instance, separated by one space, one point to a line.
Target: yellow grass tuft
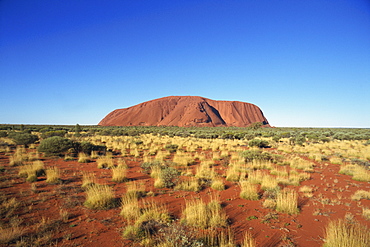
218 184
99 197
83 158
105 162
366 213
130 209
191 184
88 178
199 214
248 240
119 174
53 175
361 194
248 191
135 189
287 202
341 233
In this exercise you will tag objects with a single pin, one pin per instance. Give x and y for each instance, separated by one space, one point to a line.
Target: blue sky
304 63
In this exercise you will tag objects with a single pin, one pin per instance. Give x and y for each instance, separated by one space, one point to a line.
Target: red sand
86 227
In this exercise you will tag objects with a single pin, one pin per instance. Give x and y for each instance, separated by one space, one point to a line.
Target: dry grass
53 175
358 173
248 191
256 177
152 211
341 233
105 162
135 189
248 240
269 183
199 214
189 185
366 213
119 174
233 173
32 171
130 209
99 197
218 184
7 207
306 190
203 171
269 203
287 202
301 164
88 179
83 158
10 234
361 194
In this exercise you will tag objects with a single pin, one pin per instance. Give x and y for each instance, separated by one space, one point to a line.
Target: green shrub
171 147
55 145
23 138
48 134
258 143
168 175
87 147
3 133
250 155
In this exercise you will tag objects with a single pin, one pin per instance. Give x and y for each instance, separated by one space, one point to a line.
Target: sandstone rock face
186 111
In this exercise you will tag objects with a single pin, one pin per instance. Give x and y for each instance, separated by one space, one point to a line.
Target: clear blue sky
304 63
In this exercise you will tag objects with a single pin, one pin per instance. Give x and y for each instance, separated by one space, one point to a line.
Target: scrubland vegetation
171 186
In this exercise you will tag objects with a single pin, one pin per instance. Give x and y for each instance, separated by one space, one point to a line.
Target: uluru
186 111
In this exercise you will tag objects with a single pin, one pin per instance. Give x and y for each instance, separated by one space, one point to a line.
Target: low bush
250 155
258 143
172 148
55 145
21 138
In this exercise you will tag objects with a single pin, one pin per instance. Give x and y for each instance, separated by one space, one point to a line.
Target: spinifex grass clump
358 172
199 214
341 233
119 174
32 171
83 158
217 184
248 191
130 209
191 184
99 197
287 202
361 194
105 162
248 240
53 175
88 178
135 189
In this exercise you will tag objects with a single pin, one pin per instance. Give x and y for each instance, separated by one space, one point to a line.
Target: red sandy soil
86 227
186 111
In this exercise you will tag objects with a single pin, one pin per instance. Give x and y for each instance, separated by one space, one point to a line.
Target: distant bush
250 155
55 145
48 134
87 147
3 133
23 138
258 143
172 148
